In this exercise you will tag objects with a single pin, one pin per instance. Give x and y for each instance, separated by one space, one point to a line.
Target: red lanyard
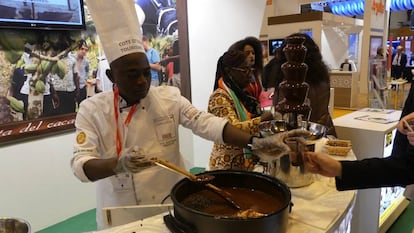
127 120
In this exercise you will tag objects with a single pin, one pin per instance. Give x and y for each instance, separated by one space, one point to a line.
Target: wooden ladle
222 193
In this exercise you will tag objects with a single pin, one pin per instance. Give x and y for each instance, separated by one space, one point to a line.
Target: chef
119 131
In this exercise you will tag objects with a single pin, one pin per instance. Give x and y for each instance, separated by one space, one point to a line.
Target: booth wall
38 184
213 25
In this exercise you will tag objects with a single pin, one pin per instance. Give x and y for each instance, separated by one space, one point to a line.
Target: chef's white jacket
153 128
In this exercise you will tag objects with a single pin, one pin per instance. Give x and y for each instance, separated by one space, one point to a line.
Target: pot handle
290 207
176 226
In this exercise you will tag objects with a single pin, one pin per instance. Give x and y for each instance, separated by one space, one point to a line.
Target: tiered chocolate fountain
294 109
294 88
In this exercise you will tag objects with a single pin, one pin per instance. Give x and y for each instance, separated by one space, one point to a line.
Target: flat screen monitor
42 14
274 44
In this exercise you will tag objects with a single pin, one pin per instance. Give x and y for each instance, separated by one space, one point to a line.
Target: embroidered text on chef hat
118 27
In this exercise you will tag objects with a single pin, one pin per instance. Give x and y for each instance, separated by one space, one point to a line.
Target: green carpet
405 222
83 222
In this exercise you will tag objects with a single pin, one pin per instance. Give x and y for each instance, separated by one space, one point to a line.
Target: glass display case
377 84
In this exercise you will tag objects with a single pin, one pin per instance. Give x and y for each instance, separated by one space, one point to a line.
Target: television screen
42 14
273 45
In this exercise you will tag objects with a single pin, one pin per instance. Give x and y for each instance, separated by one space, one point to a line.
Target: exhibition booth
41 188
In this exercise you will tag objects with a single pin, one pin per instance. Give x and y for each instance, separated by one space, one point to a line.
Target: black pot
202 222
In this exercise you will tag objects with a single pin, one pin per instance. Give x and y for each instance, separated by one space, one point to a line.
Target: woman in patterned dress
242 110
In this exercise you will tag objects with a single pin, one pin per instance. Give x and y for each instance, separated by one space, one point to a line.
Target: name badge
165 130
122 182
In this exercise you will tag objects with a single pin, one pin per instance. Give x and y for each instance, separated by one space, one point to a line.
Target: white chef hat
118 27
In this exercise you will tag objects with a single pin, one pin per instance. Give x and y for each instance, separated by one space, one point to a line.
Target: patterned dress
226 156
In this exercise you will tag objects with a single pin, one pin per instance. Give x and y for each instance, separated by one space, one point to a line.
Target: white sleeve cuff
77 167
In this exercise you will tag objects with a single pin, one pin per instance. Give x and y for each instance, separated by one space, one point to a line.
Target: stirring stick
408 126
224 194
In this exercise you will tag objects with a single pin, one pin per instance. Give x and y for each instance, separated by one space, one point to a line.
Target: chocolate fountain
294 110
294 88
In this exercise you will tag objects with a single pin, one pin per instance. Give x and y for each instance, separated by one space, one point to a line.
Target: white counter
370 130
318 208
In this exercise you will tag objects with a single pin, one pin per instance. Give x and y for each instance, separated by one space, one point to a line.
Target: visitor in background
172 64
399 62
380 53
82 70
153 57
346 65
66 87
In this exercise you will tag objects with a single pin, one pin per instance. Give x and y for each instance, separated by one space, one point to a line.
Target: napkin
311 191
314 215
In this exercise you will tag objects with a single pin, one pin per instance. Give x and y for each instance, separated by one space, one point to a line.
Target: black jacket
403 59
377 172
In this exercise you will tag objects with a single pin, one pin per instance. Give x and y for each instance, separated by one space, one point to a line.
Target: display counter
317 208
345 84
372 133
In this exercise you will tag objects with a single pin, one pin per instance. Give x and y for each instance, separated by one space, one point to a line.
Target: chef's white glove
133 162
275 145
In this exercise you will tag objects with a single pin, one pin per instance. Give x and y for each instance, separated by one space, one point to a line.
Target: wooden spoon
172 167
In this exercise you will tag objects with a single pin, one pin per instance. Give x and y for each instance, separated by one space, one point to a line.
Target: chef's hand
133 162
320 163
275 142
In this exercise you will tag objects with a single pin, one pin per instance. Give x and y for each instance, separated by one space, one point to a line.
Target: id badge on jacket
165 130
122 182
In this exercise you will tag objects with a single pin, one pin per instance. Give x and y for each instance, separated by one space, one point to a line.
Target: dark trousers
82 95
397 71
67 102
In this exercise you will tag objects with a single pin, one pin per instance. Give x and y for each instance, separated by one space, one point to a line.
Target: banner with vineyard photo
43 77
